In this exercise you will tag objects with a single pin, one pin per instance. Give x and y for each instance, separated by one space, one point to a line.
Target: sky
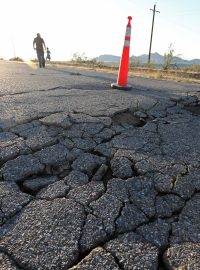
92 27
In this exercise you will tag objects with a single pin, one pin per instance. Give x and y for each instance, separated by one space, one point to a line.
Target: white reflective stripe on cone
128 32
127 43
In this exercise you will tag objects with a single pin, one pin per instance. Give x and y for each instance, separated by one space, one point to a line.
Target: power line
154 11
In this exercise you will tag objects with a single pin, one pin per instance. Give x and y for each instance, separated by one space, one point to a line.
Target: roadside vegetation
168 58
193 68
169 70
82 59
17 59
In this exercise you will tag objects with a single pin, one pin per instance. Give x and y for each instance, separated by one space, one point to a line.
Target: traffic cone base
116 86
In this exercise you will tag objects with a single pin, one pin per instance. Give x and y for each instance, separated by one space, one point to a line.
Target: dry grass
17 59
180 75
160 74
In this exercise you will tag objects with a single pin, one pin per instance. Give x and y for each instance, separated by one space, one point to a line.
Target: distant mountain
108 58
156 59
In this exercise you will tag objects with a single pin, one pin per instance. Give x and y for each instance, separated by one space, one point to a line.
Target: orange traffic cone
123 69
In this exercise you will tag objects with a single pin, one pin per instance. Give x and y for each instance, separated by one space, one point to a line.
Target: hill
156 59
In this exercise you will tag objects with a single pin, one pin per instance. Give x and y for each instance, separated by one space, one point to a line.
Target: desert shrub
150 66
134 63
34 60
193 68
79 57
168 57
18 59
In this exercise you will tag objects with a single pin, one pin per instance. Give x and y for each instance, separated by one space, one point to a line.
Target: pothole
193 109
26 190
128 118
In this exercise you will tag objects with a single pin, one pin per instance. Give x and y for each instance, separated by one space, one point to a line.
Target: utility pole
154 11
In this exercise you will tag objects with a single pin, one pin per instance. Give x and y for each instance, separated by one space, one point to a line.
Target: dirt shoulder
156 73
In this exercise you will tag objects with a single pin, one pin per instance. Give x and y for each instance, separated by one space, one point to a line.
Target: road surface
96 178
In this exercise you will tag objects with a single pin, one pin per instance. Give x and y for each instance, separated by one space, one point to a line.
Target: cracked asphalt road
96 178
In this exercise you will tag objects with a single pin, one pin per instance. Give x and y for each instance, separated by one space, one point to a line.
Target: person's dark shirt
39 43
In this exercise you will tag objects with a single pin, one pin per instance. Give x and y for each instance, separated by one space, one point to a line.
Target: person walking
39 46
48 54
